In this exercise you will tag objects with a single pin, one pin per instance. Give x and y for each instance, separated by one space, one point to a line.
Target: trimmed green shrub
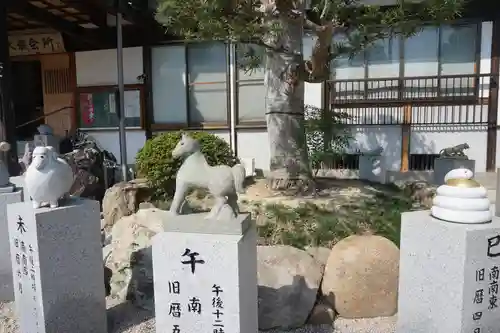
155 162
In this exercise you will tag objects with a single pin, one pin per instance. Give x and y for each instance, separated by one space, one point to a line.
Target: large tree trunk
289 169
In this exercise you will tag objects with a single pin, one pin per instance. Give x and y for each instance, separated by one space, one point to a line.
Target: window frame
112 88
189 124
364 81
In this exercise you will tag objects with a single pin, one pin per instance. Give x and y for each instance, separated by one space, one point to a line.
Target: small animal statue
4 171
459 174
223 182
455 152
25 161
48 177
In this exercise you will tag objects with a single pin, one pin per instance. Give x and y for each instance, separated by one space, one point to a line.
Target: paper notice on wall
132 104
112 103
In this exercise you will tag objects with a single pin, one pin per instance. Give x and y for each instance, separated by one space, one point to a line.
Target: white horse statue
223 182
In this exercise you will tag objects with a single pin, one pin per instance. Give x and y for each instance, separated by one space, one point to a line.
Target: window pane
421 59
251 91
458 49
383 62
207 63
458 56
421 53
344 68
169 84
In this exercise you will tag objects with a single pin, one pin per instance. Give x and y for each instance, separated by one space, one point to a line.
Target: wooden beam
89 36
491 141
405 139
143 20
96 14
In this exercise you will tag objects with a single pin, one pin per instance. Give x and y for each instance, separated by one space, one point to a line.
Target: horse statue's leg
232 201
219 202
179 196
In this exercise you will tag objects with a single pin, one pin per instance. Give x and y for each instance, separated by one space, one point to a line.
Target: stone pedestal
18 182
444 165
449 275
57 267
6 286
371 168
497 198
44 140
205 275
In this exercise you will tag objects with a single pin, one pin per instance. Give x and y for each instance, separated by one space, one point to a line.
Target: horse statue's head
186 146
43 156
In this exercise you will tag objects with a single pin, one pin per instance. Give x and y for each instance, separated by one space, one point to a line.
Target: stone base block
18 182
205 275
57 267
371 168
6 284
449 275
444 165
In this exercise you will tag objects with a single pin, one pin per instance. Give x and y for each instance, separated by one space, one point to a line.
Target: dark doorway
27 97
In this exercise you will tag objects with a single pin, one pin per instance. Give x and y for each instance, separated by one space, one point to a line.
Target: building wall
426 137
171 92
98 68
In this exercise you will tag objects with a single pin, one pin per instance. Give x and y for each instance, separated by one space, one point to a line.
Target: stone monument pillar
205 275
57 267
8 194
450 266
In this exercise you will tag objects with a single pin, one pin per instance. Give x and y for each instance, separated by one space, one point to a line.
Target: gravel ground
124 318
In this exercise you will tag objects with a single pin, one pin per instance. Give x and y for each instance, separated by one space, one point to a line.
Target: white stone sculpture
462 199
223 182
48 177
5 185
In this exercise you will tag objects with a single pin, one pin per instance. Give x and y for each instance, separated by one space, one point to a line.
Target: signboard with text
22 45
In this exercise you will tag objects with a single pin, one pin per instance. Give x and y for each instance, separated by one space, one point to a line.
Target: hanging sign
87 108
30 44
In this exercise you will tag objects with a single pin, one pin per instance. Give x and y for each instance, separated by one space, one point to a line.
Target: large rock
123 199
361 277
288 280
130 259
321 255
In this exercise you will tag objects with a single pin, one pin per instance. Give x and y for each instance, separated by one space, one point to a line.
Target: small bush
155 162
319 126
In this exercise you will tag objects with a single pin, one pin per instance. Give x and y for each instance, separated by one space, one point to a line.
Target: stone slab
218 294
197 224
371 168
6 284
448 276
444 165
57 267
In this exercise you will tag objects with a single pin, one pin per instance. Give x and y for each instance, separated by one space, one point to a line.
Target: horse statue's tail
239 177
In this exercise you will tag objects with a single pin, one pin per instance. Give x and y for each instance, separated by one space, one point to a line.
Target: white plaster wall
254 144
431 139
367 138
94 68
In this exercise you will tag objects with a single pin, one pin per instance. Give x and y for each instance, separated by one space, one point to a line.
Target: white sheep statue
48 177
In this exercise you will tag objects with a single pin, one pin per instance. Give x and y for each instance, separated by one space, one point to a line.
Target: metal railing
433 100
